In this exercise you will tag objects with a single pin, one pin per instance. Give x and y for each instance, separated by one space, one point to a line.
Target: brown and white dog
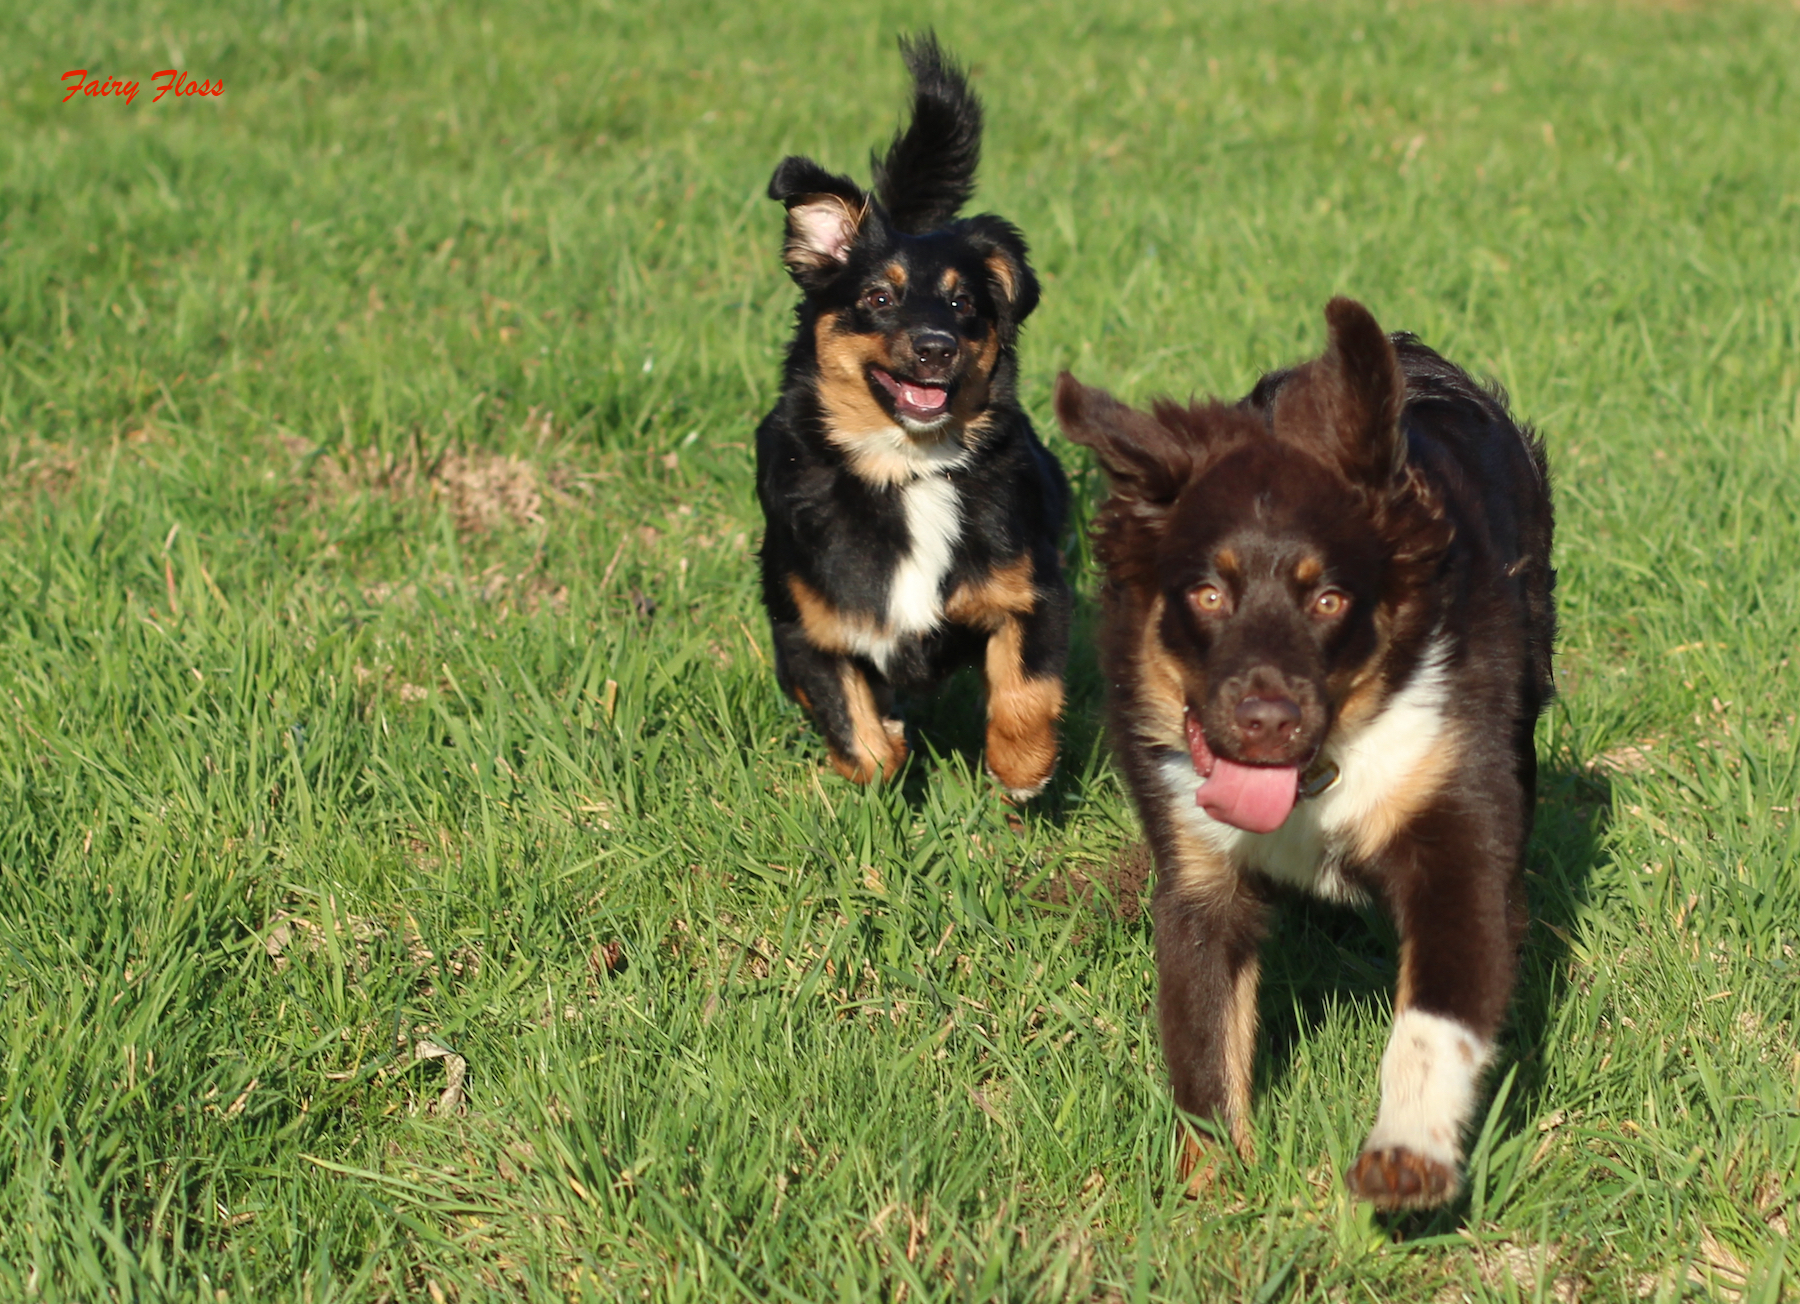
1327 635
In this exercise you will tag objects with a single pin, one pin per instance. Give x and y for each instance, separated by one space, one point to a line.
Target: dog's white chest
1309 848
932 509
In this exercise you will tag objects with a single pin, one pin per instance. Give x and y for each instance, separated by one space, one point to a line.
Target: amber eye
1208 600
1330 603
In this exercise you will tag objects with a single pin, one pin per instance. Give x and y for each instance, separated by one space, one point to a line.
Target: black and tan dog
913 517
1327 637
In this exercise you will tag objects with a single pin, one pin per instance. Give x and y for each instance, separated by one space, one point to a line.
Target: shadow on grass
1319 956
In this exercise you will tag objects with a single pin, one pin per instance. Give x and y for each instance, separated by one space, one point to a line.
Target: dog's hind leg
1460 914
1024 671
1209 926
865 742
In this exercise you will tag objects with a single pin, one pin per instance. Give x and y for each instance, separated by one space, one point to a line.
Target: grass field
411 881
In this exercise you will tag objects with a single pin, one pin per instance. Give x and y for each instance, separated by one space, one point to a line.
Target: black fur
929 171
899 395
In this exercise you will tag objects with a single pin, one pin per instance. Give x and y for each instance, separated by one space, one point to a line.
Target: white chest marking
1429 1075
1307 850
933 523
932 510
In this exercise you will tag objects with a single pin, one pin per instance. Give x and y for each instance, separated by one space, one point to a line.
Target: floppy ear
1146 462
825 214
1009 273
1350 399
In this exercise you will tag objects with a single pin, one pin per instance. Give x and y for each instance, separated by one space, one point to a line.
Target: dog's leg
1208 929
1025 659
1460 914
865 744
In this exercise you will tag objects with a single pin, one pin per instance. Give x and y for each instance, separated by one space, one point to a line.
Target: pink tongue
1255 798
922 397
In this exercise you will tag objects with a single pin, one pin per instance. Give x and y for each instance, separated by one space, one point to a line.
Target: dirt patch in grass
483 491
1114 887
35 466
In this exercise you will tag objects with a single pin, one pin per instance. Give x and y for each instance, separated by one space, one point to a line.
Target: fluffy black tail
929 171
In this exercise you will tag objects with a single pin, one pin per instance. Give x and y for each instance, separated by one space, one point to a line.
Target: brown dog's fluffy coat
1327 637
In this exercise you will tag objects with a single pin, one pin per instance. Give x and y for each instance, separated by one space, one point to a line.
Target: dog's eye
877 298
1209 600
962 305
1330 603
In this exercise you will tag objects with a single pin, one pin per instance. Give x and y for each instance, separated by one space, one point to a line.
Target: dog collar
1318 778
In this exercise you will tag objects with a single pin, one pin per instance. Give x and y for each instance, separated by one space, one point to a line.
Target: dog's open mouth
924 403
1255 798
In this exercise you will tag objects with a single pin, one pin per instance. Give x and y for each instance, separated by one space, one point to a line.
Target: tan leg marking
827 627
1198 1165
1022 714
1240 1056
880 746
1007 591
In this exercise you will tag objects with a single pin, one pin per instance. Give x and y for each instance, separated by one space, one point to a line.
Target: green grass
381 672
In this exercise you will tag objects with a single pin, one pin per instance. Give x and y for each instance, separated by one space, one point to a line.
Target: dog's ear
1349 401
1009 273
825 215
1146 462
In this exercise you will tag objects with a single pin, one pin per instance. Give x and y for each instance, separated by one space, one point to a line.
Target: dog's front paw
879 757
1398 1178
1198 1166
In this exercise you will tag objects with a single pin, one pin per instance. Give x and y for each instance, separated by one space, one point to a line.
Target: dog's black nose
1266 723
935 350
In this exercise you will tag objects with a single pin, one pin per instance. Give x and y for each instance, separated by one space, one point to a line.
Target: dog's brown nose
934 350
1266 724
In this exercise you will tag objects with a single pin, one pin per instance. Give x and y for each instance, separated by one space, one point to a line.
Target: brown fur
971 398
829 628
857 423
1005 591
843 386
1158 692
1005 273
1022 714
1396 1178
880 744
1374 521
